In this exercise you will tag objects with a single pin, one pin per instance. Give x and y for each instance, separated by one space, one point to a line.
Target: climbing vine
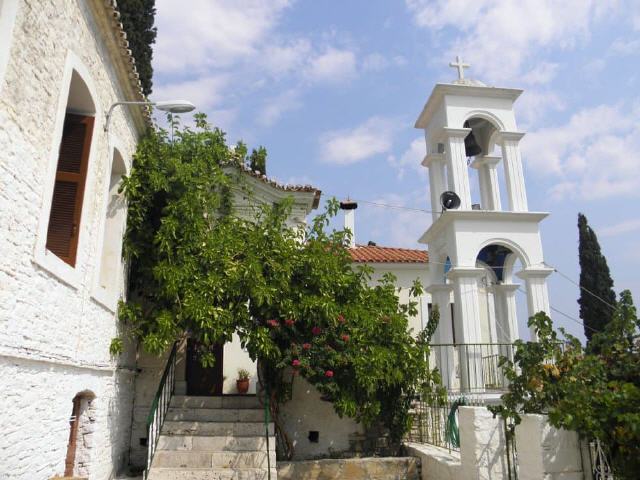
594 390
199 265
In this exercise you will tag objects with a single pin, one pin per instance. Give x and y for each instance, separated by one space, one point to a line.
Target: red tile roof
375 254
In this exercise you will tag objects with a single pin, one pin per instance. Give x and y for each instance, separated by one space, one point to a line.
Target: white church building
70 408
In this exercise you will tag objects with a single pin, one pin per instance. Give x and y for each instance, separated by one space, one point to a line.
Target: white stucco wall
406 274
54 335
307 412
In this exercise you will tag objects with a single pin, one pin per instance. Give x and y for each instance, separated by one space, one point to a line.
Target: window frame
72 276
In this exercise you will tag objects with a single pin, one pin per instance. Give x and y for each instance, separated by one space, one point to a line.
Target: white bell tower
464 122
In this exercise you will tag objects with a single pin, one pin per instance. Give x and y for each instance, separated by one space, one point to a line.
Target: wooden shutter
71 173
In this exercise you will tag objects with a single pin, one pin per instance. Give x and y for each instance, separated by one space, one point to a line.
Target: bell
471 147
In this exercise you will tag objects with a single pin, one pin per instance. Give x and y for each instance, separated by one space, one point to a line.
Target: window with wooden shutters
71 173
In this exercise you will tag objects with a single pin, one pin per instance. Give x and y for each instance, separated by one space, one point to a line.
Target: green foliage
243 374
595 279
137 18
595 392
291 295
258 160
116 347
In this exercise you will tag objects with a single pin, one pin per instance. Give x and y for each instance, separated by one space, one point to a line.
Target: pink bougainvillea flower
316 330
328 373
273 323
341 319
345 337
289 322
306 346
296 363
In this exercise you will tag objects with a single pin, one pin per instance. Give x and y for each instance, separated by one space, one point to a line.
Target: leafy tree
595 281
258 160
137 18
291 295
595 392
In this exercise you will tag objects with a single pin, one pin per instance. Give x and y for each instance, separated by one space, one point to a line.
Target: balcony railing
471 367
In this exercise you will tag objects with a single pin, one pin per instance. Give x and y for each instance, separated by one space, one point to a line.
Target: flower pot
242 385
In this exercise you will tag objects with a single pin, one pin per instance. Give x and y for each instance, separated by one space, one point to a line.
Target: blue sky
332 90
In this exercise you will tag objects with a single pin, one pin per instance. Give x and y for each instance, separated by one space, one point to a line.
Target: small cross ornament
460 66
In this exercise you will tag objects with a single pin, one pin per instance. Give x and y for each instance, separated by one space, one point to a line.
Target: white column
467 325
489 185
444 354
537 293
506 312
513 171
437 180
458 174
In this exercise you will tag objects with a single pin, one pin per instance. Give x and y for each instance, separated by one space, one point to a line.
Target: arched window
71 172
110 262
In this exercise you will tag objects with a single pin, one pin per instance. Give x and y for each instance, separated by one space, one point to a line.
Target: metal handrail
160 405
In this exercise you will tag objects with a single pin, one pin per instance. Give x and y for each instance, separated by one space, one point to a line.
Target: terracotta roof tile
375 254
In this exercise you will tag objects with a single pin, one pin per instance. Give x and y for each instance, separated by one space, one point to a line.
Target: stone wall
54 332
351 469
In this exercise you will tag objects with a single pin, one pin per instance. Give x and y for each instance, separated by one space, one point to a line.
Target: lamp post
172 106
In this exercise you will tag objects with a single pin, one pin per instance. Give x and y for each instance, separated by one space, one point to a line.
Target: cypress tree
137 18
595 279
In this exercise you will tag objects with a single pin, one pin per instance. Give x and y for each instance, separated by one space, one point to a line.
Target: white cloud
410 159
594 155
332 66
375 62
208 33
541 74
621 228
373 137
275 107
205 92
625 47
286 58
501 37
534 104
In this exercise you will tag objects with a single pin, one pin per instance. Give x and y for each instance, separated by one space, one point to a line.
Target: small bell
471 147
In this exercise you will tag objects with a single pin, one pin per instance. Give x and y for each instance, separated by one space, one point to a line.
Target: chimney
349 207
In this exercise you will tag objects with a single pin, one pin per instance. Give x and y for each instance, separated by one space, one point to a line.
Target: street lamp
172 106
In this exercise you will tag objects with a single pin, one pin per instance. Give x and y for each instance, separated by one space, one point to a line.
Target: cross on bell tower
460 66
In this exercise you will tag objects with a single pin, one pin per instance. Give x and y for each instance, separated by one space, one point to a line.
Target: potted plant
242 383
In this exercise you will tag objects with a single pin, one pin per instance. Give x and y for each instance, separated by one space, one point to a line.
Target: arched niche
113 230
81 427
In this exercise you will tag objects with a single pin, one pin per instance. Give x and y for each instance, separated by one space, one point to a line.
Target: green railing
160 405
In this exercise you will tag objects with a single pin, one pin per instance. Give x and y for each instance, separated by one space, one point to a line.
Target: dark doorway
74 421
203 381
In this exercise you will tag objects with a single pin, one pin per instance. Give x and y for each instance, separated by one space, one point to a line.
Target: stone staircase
214 438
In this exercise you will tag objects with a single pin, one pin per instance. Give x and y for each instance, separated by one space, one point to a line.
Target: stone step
215 414
215 443
236 429
217 460
226 401
209 474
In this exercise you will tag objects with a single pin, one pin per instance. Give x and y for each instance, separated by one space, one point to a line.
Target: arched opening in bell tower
480 146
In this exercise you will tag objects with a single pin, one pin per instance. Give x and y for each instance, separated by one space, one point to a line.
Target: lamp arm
114 105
